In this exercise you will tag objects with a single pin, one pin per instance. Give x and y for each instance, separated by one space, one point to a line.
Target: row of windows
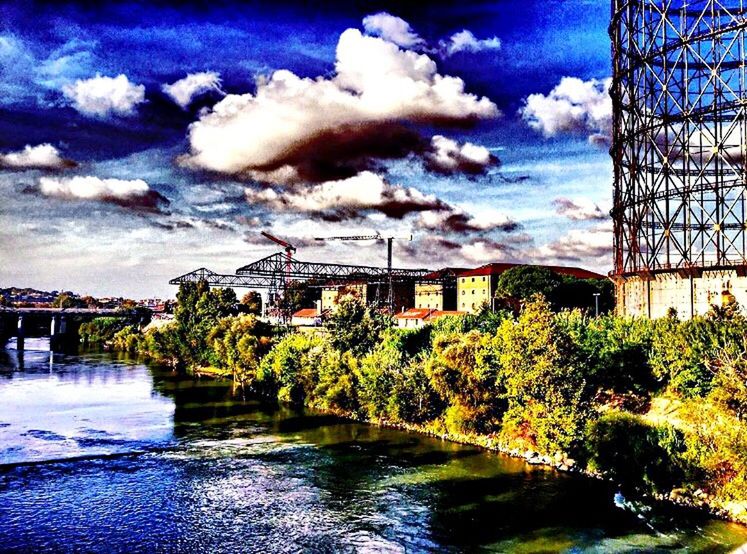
464 279
483 291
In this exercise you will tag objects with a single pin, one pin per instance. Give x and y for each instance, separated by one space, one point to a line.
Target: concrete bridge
60 324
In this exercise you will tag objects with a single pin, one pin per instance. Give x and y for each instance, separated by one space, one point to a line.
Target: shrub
291 369
636 454
463 371
100 330
616 350
681 351
128 339
716 444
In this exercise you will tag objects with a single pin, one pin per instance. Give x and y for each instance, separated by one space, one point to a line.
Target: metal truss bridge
275 270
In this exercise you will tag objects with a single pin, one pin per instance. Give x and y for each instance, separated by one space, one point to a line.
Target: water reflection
102 453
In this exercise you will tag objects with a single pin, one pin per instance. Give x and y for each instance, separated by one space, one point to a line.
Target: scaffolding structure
679 134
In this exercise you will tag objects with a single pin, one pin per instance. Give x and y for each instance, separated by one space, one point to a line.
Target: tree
3 300
545 379
238 344
251 303
463 370
521 282
199 308
90 302
354 327
563 291
66 300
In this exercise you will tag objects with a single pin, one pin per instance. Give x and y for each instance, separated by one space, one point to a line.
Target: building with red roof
476 287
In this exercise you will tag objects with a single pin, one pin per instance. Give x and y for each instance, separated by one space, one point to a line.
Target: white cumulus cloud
185 90
572 106
102 96
393 29
448 156
466 41
135 193
295 129
42 156
348 198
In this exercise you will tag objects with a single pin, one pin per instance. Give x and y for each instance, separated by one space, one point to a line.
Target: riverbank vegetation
659 406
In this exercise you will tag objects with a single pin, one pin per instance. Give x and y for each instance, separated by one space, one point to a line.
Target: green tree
300 294
251 303
199 308
66 300
291 369
524 281
545 380
355 327
238 344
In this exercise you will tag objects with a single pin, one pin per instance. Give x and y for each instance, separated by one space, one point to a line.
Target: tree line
658 405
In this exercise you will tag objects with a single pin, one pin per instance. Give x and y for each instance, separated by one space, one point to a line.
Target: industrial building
437 290
679 145
369 293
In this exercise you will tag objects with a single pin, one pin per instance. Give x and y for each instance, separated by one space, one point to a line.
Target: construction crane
378 236
289 251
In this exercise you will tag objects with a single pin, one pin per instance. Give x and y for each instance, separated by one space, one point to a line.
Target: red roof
414 313
306 312
425 313
498 268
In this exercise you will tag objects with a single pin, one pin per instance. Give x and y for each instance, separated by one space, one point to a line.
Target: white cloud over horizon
41 156
134 193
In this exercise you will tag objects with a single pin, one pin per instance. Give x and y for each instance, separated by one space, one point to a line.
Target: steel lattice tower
679 133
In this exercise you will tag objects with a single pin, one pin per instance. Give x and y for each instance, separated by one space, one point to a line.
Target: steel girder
279 265
225 280
679 134
271 273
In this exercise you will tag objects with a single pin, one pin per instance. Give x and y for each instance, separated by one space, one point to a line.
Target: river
100 453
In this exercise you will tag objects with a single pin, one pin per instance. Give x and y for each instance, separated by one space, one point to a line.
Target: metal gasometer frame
679 134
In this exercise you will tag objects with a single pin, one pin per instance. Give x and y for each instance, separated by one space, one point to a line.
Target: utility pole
596 304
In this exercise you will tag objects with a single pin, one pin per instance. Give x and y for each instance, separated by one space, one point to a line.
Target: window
464 292
473 279
483 279
473 291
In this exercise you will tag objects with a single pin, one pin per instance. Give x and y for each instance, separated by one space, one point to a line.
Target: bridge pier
20 334
57 331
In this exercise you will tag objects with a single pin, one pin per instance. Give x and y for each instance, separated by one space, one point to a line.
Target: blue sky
139 141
